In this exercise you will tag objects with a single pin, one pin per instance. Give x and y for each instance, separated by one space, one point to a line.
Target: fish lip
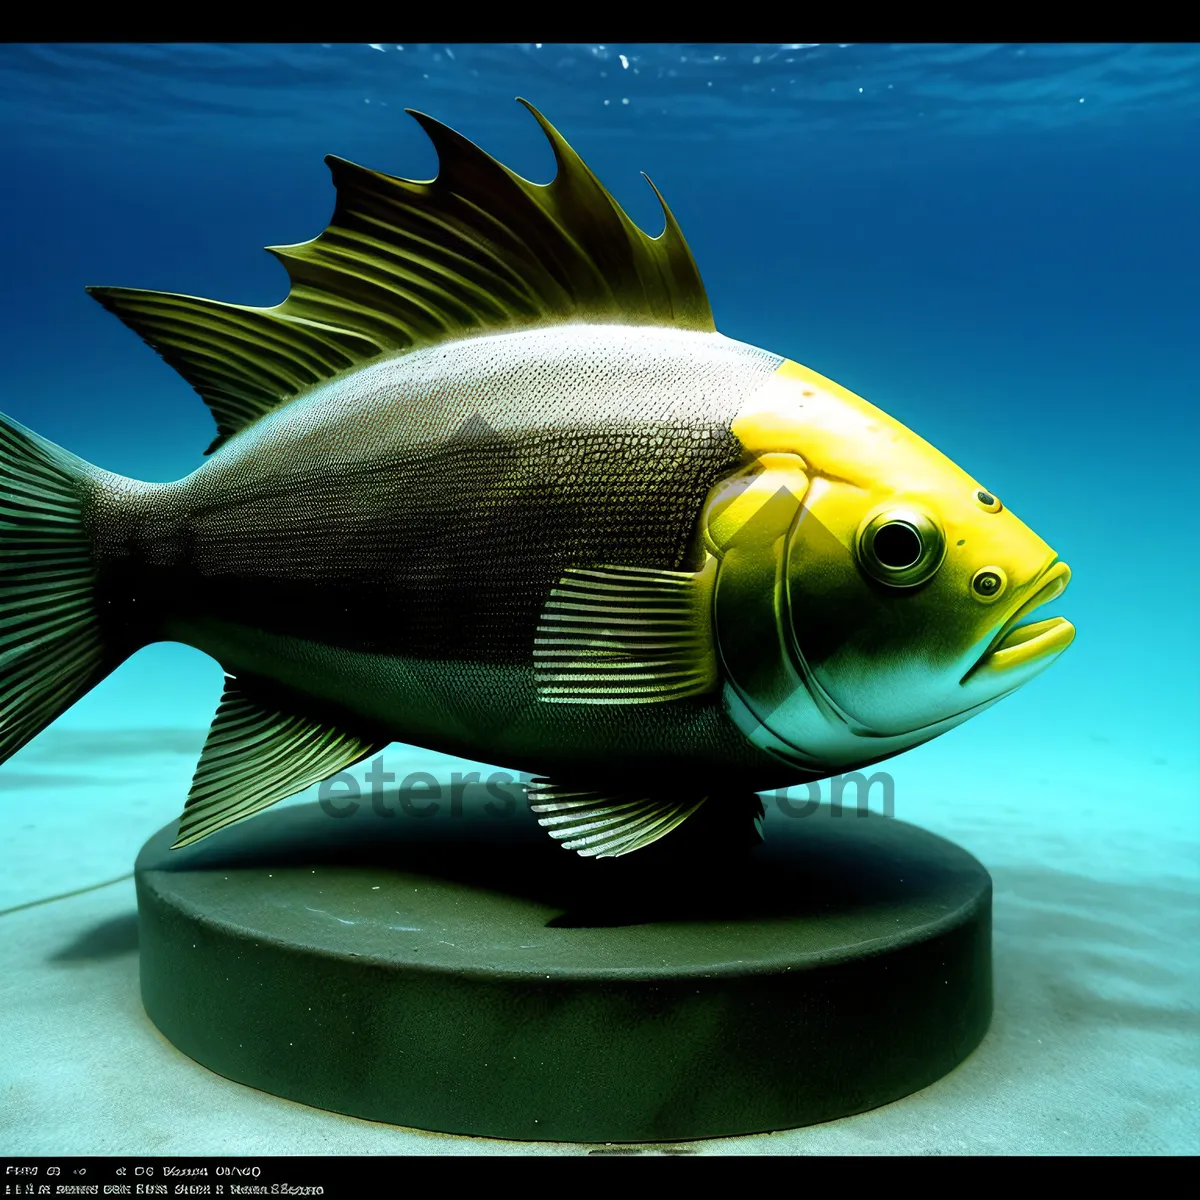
1051 636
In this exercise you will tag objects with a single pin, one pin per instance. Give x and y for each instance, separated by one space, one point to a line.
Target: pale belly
491 713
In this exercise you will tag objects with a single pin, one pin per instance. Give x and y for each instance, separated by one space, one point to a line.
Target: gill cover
768 543
748 524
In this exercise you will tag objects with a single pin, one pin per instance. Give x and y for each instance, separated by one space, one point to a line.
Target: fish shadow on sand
821 865
109 939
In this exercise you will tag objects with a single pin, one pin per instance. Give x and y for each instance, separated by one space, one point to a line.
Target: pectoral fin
626 635
605 824
256 755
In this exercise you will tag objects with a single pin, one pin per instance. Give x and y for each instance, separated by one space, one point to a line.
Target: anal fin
257 754
606 824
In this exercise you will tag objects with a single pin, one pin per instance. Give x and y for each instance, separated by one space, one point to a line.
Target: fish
489 481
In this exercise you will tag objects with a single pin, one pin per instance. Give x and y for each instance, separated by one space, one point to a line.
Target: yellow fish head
902 584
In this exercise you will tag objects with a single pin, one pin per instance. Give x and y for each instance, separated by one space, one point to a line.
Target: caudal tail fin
52 646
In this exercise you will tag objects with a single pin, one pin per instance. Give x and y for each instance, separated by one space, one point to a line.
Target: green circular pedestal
461 972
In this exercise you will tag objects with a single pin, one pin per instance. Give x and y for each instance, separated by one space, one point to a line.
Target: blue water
996 243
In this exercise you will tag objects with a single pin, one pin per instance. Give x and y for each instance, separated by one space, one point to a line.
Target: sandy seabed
1093 1048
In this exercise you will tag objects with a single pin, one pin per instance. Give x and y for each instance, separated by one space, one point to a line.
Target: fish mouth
1018 645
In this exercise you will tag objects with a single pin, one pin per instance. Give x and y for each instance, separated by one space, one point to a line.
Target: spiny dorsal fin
257 754
406 264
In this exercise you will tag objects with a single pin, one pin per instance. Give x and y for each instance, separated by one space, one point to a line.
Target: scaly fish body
387 543
490 482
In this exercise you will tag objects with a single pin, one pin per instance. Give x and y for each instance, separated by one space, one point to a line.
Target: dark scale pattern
475 535
385 546
425 507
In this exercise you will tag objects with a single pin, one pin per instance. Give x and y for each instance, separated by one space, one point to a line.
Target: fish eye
988 583
988 501
900 547
897 545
